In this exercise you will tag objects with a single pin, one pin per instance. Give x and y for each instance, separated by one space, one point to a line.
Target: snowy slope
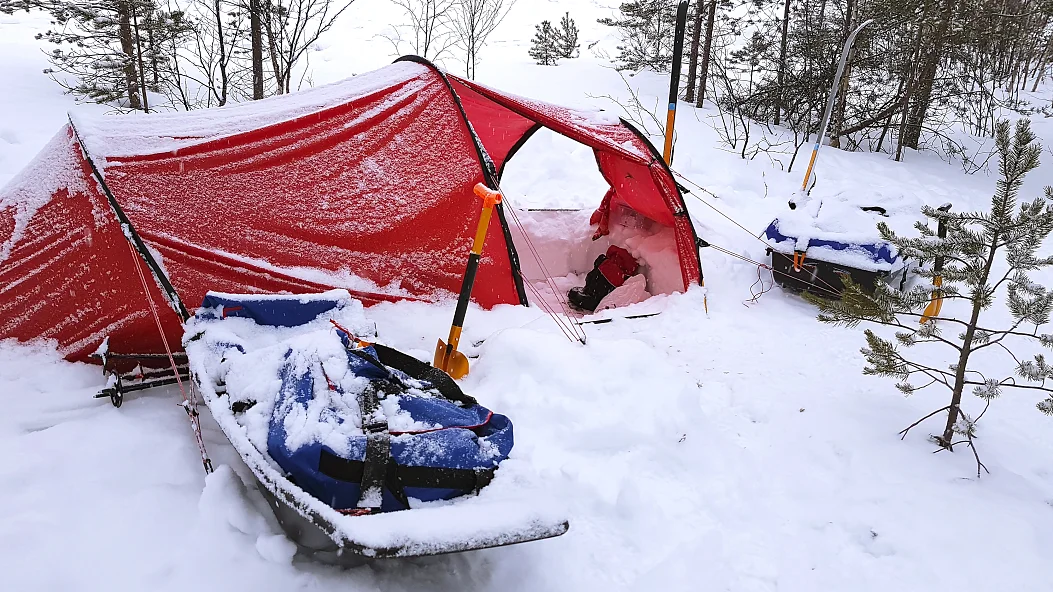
740 450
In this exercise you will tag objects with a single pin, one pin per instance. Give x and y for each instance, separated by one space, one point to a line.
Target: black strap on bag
399 477
379 470
424 371
378 450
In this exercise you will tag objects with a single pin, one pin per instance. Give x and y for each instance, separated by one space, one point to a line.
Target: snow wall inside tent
364 184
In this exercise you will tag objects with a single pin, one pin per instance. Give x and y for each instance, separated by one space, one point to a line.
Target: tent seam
130 234
486 162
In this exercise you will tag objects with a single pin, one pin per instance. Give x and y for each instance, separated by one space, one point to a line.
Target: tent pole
133 237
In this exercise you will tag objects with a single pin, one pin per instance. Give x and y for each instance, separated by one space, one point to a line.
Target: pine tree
543 45
566 37
976 244
646 29
107 51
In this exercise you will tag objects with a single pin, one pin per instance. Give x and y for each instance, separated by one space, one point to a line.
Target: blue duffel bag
456 455
455 452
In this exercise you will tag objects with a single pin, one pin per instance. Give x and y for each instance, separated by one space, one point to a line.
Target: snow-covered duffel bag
362 427
415 441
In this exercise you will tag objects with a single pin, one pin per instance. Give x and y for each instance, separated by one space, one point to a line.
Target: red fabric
290 194
618 265
497 128
390 212
71 277
601 218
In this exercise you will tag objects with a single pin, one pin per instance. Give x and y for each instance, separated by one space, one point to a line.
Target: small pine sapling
982 253
543 45
566 38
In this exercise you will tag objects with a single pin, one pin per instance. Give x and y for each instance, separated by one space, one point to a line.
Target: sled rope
761 266
714 208
563 322
828 288
756 294
191 411
571 330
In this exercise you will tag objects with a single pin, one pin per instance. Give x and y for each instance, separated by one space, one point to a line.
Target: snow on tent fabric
364 184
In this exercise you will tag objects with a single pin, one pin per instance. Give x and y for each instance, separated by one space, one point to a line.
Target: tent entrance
551 170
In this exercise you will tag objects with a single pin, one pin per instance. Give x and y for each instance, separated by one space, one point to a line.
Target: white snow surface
740 450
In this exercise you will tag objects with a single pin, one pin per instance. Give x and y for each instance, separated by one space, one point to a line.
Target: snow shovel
932 310
447 358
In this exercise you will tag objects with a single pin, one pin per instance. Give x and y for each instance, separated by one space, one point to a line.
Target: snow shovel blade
456 365
932 309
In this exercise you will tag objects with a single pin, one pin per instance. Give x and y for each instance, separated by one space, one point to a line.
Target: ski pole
674 80
829 107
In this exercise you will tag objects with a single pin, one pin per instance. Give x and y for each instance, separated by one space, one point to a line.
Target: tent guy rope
570 329
187 404
827 288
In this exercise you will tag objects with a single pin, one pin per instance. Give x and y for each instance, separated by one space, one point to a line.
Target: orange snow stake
447 358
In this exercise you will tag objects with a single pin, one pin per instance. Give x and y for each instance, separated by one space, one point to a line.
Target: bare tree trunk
927 77
1040 71
256 40
153 55
139 60
272 45
781 76
909 76
706 51
131 78
222 56
692 64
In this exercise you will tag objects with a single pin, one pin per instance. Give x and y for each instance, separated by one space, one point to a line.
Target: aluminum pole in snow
847 49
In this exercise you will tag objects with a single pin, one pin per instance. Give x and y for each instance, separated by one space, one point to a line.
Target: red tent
364 184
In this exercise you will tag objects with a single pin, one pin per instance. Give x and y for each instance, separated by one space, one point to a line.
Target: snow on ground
740 450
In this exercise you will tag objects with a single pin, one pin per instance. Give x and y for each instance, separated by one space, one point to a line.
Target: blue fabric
878 251
273 311
474 438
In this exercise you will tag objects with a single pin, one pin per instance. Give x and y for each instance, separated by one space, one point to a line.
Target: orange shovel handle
489 196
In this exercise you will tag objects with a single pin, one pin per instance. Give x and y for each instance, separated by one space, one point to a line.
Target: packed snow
736 450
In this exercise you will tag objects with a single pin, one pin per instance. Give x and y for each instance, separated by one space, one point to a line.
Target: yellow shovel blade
456 365
932 310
